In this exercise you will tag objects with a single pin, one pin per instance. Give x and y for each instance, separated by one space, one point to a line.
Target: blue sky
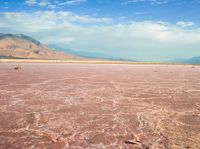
146 30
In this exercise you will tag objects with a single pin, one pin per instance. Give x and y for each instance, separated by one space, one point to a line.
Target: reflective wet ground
98 106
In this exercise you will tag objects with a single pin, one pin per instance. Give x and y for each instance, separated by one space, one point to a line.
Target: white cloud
159 1
185 24
141 13
132 1
72 2
42 3
152 2
146 40
31 2
52 4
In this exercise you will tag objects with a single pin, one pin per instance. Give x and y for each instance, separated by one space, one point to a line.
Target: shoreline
87 62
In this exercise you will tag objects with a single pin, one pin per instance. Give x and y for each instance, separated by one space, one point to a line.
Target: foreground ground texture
99 106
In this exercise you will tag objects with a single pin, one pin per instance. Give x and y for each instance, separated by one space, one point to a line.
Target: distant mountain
23 46
193 60
86 54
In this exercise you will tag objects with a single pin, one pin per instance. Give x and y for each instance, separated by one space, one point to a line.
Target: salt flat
99 106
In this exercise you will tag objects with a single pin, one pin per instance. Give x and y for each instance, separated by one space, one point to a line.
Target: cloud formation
185 24
152 2
72 2
145 40
37 2
53 4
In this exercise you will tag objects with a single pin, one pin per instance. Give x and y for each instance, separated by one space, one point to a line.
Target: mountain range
86 54
193 60
25 47
22 46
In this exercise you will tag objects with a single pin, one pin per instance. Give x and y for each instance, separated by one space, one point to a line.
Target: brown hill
22 46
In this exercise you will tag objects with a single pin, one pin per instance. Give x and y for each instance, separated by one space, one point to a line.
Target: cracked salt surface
99 106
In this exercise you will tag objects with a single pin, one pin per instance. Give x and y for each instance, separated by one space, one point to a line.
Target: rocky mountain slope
22 46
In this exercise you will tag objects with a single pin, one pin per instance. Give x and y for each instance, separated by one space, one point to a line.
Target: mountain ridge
192 60
90 55
23 46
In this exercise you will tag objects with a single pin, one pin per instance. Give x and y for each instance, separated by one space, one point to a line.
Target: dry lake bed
98 106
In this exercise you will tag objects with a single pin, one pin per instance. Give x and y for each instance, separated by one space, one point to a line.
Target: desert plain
99 106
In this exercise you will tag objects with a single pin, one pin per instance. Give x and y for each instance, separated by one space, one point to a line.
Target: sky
142 30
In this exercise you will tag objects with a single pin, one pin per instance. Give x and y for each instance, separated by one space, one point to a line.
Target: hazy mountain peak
23 46
20 36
